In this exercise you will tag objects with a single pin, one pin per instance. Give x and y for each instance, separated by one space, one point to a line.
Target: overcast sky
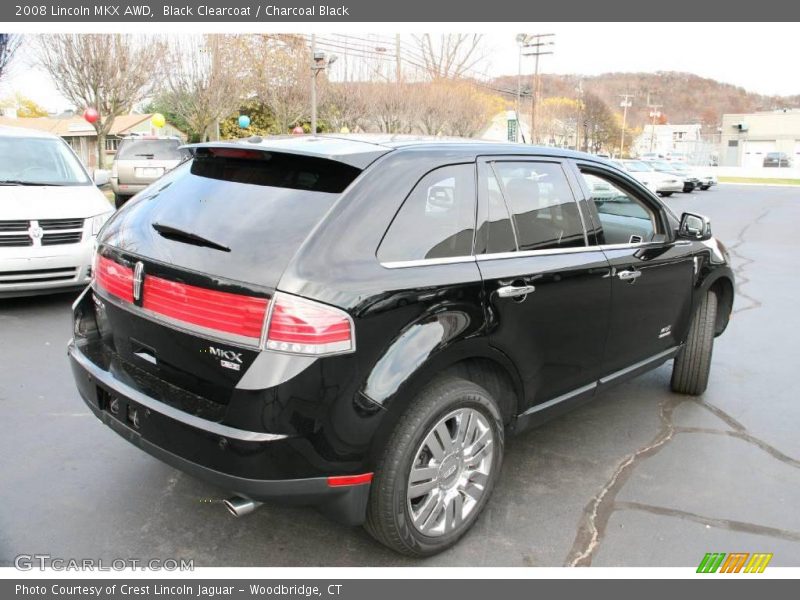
758 57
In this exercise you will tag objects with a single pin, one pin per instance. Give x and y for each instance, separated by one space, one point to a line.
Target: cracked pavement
639 477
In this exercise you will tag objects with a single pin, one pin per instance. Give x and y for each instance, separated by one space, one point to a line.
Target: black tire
389 519
119 200
704 187
693 363
666 194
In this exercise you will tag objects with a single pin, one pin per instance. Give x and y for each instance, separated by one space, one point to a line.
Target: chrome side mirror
694 227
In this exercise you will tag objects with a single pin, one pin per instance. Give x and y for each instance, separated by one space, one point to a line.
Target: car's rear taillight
114 278
300 326
223 312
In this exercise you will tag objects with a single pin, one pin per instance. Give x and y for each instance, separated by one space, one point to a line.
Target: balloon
158 120
344 130
244 121
91 115
298 130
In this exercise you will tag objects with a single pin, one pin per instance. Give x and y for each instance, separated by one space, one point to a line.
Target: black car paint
334 413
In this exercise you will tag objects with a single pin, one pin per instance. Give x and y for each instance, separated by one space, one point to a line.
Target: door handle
515 291
629 275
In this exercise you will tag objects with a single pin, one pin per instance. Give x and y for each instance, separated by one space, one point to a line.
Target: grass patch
783 181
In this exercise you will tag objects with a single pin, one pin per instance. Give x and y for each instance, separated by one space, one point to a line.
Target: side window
544 211
625 219
500 232
437 219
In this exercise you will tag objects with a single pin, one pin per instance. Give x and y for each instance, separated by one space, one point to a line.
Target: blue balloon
244 121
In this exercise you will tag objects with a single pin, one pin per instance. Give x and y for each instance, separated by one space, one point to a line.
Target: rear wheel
693 363
438 469
704 187
666 194
119 200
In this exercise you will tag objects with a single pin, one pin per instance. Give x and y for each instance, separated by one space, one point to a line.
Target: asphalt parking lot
640 477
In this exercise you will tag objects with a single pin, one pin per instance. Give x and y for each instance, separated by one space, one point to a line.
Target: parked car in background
259 320
664 184
679 170
652 156
50 214
777 159
140 160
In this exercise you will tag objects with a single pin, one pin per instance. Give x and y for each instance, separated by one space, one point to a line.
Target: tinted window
150 149
273 169
625 219
437 219
500 232
544 210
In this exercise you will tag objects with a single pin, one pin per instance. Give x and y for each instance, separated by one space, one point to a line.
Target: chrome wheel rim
450 471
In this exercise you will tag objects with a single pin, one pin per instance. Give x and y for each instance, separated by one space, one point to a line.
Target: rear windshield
273 169
150 149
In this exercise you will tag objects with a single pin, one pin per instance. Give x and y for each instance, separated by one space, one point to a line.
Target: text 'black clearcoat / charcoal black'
356 322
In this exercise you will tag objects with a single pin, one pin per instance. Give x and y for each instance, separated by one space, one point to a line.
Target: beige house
80 134
747 138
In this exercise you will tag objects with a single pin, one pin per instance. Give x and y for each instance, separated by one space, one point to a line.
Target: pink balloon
91 115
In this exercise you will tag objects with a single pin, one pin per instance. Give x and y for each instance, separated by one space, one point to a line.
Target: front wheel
666 194
693 363
438 470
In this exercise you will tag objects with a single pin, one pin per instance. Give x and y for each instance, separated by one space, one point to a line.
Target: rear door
547 289
652 271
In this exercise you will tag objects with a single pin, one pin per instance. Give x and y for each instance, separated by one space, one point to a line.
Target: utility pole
319 62
625 104
534 46
654 113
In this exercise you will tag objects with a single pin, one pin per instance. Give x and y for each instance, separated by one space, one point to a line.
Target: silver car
140 161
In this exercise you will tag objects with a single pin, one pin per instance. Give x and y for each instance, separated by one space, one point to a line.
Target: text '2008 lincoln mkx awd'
356 322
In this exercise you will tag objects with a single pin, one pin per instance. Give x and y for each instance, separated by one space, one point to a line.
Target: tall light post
625 104
319 63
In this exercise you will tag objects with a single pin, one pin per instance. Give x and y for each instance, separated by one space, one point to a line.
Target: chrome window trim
424 262
531 253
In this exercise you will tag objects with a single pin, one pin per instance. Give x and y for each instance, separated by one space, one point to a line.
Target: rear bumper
127 189
37 270
156 422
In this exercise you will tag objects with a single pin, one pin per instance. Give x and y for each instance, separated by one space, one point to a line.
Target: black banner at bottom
385 589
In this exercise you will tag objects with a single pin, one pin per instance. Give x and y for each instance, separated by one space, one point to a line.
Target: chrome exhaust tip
239 506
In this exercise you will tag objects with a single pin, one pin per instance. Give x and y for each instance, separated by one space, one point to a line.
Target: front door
547 292
652 272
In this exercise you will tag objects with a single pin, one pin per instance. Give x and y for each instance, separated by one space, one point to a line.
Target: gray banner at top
349 11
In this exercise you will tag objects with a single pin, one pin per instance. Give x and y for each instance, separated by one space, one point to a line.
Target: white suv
50 214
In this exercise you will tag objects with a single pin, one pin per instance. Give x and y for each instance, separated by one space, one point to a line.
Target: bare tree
434 110
109 73
204 83
280 76
345 105
450 55
470 109
8 45
393 107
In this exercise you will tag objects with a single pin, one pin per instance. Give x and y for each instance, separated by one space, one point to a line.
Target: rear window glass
437 219
273 169
150 149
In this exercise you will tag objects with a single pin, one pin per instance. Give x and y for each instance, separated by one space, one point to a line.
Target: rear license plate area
121 409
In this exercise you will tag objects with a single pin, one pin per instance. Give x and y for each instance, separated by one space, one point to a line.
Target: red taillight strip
212 309
343 480
115 278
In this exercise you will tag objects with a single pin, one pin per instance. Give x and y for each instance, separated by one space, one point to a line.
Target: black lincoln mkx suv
354 323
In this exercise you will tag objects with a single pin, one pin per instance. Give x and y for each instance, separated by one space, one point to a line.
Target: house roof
74 126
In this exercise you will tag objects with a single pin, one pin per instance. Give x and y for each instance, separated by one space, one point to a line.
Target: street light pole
625 104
